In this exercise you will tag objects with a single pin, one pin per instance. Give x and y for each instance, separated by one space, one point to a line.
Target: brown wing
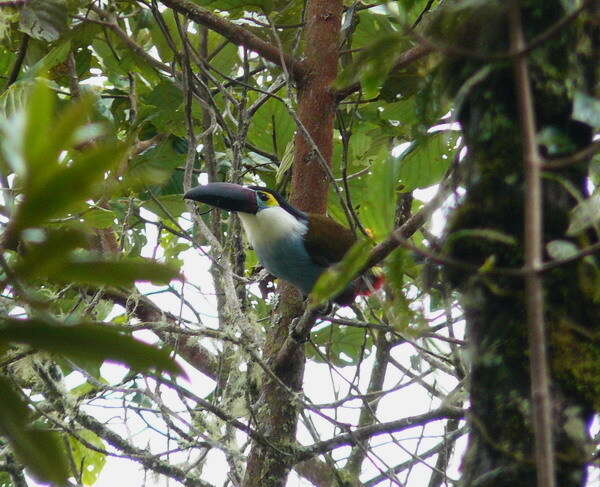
326 240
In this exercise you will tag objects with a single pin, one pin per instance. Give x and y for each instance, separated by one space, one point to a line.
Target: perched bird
290 244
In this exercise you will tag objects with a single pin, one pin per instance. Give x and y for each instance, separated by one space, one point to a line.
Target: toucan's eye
263 196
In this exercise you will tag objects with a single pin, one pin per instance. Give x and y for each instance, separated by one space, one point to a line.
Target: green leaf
172 203
272 128
47 255
586 109
164 96
584 215
379 205
561 249
86 341
395 268
56 56
124 272
40 450
49 197
99 218
340 345
45 20
155 166
14 99
336 278
373 64
38 121
90 462
234 6
427 160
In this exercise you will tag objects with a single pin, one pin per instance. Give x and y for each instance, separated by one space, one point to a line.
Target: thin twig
541 403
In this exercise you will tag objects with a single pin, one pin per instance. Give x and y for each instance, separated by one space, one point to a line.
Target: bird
290 244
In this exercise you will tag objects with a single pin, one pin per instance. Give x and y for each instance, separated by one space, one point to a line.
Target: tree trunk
278 415
500 450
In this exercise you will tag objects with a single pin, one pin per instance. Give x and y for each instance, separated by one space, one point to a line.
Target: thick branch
144 457
379 429
195 354
238 35
316 472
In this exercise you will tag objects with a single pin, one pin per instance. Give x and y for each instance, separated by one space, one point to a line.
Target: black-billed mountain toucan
290 244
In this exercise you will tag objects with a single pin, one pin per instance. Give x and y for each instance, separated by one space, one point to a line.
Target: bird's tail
370 282
364 285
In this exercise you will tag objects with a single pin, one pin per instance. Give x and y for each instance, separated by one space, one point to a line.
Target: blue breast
287 259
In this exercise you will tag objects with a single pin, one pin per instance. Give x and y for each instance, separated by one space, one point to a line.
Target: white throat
270 225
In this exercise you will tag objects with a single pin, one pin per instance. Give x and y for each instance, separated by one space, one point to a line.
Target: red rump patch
371 284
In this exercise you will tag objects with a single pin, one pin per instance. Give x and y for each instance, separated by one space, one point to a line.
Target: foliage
109 110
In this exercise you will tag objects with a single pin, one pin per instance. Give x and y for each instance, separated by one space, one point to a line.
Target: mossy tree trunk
500 450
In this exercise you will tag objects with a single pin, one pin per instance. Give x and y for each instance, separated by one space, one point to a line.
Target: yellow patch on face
267 198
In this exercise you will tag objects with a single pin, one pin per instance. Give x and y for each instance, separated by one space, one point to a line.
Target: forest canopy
141 339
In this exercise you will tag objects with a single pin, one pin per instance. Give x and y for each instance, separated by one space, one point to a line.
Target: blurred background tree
389 117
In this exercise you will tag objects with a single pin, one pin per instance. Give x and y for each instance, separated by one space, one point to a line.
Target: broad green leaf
99 218
90 462
49 254
561 249
41 152
585 215
379 204
54 258
45 20
14 98
86 341
155 166
336 278
40 450
111 65
239 6
57 55
586 109
373 64
116 273
427 160
158 36
49 197
172 203
38 122
340 345
272 128
370 26
164 96
395 268
227 57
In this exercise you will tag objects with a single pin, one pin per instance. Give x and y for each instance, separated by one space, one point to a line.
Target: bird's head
244 199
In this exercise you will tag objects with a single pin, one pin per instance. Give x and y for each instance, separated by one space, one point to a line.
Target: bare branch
238 35
379 429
